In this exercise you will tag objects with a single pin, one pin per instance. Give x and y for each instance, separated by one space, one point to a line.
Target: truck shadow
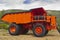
48 35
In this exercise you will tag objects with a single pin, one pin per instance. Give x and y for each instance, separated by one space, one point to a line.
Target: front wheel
39 30
46 32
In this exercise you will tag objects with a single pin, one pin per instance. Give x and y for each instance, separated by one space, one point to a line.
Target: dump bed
17 17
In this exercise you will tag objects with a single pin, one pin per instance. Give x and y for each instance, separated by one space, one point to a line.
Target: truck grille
38 18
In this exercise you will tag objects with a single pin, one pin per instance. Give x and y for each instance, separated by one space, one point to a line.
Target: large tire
39 30
46 32
24 31
14 29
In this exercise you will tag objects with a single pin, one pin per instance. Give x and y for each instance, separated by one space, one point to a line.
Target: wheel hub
38 30
13 29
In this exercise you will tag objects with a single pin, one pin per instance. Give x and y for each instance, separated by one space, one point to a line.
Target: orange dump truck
36 20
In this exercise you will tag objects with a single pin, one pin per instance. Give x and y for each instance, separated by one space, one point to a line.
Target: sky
29 4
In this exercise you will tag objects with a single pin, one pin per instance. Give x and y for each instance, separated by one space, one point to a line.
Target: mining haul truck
36 20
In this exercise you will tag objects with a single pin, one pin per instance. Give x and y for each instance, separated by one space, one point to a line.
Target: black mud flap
58 28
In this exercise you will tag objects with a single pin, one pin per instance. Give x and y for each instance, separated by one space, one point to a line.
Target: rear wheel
14 29
39 30
23 30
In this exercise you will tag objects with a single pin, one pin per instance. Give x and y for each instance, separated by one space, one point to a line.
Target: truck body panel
18 18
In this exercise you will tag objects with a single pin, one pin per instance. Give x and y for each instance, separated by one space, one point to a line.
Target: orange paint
38 30
18 18
12 29
48 18
53 22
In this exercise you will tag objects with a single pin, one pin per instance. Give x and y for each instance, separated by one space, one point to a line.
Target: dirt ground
52 35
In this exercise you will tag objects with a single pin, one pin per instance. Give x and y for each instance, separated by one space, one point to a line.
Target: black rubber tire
43 30
18 29
23 30
46 32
